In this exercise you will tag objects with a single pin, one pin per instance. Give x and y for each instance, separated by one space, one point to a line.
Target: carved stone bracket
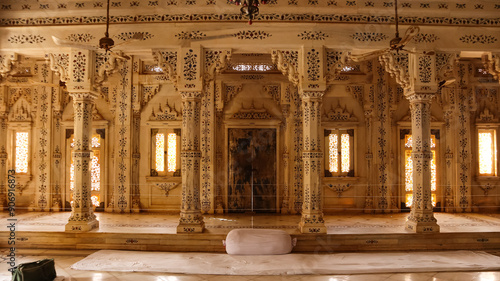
287 64
167 186
339 188
445 68
8 64
335 62
492 64
108 68
60 64
396 69
215 61
168 65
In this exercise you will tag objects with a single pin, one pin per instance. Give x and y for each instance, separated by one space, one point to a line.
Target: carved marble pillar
312 156
450 136
463 198
191 219
82 215
57 166
285 206
369 202
421 218
42 146
123 136
136 157
207 122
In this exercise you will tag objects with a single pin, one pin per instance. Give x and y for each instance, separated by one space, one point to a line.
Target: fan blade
427 53
368 56
409 34
71 44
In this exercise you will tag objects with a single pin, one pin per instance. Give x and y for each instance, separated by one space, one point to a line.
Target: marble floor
166 223
64 260
220 224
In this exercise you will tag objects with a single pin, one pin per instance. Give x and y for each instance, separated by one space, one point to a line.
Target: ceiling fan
105 43
396 44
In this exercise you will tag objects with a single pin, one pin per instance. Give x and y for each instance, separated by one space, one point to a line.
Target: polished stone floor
64 259
336 224
166 223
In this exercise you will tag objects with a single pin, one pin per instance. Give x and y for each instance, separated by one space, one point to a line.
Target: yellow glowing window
487 152
172 152
339 147
165 150
21 162
408 166
333 153
159 152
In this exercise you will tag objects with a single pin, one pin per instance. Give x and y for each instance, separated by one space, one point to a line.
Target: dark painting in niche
252 170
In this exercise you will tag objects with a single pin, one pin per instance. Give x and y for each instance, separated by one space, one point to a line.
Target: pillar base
312 224
81 226
190 228
191 222
422 224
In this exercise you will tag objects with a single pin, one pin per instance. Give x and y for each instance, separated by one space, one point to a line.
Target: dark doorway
252 170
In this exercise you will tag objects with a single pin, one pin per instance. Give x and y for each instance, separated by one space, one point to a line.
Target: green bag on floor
42 270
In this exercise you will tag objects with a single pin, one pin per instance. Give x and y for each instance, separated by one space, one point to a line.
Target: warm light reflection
159 153
408 171
486 153
333 153
409 200
72 175
345 150
433 171
95 174
95 200
172 151
21 162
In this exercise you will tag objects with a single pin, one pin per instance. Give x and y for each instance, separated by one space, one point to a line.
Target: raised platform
156 232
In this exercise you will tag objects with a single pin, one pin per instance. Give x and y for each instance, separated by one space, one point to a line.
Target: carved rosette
421 218
82 217
190 217
312 157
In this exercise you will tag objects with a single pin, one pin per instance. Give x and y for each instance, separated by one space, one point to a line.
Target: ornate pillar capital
419 97
312 95
191 95
84 96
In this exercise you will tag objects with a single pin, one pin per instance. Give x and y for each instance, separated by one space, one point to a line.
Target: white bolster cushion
258 242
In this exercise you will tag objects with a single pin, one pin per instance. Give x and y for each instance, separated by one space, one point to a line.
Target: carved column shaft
285 207
207 122
450 166
42 145
369 207
190 217
57 167
312 156
421 218
463 198
82 216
